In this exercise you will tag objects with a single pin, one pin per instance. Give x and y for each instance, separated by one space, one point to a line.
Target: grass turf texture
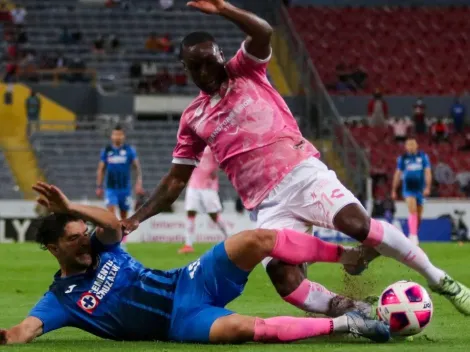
27 272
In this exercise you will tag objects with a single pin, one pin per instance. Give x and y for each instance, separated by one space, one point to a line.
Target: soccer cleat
365 256
375 330
455 292
186 249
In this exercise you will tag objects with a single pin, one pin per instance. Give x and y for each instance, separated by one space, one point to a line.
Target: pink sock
311 297
294 247
413 224
391 242
285 329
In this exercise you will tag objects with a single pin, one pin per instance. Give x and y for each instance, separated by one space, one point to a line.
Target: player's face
73 249
205 64
118 137
411 146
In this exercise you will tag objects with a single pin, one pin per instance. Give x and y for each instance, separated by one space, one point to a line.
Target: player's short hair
118 127
51 227
195 38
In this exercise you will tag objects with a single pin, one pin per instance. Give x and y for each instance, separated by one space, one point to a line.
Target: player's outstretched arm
166 193
25 332
56 201
258 30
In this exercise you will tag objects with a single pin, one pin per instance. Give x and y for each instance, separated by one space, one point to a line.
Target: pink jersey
205 174
249 128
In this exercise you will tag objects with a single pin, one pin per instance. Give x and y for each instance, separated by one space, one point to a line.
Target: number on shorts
193 267
337 193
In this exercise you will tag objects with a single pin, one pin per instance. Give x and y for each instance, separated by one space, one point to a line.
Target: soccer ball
406 306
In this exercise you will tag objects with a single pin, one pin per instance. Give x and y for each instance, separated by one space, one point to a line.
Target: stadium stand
70 159
8 189
403 50
131 26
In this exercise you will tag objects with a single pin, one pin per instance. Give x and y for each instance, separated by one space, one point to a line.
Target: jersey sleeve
400 164
245 64
50 312
189 146
132 154
103 155
426 162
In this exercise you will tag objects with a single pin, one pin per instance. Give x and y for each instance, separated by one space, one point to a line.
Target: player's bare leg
248 249
413 219
384 238
189 234
217 219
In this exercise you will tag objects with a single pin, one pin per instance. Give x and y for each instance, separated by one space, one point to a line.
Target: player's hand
3 337
426 192
99 192
52 197
129 225
208 6
394 195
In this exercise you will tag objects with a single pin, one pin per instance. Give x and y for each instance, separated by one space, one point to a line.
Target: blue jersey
118 298
118 163
412 167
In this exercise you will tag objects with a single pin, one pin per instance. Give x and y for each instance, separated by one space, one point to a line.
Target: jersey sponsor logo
117 159
103 283
230 120
88 302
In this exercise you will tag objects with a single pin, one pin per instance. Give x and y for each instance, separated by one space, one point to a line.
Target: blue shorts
203 289
121 198
414 194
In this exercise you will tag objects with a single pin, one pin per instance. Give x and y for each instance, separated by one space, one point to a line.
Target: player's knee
353 222
262 240
285 278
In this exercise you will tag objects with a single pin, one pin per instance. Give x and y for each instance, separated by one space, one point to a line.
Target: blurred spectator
4 13
180 78
466 146
167 4
342 75
22 36
60 61
154 43
419 116
78 67
377 109
384 208
400 127
114 43
65 37
439 132
163 81
10 72
98 45
33 111
29 67
358 77
463 179
18 15
457 113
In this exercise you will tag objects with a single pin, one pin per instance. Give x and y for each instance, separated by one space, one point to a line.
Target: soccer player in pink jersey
202 197
277 172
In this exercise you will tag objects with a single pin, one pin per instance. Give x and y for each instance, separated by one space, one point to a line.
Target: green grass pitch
27 272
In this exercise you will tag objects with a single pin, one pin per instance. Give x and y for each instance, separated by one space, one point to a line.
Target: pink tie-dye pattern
205 174
249 128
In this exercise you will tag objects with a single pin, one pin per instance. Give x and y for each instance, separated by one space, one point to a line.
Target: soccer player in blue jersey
116 162
414 171
103 290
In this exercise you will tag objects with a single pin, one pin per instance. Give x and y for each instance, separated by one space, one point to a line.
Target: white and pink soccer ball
406 306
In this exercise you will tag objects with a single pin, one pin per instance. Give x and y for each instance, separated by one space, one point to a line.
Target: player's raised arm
56 201
258 30
25 332
163 196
